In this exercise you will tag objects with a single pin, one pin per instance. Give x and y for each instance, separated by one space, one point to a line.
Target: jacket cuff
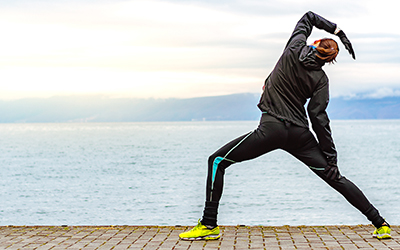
337 30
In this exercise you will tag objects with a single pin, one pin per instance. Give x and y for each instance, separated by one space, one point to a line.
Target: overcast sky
184 48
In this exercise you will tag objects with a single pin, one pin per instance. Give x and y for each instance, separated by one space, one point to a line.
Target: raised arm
309 20
305 26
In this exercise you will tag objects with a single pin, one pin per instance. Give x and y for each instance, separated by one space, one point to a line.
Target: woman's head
327 49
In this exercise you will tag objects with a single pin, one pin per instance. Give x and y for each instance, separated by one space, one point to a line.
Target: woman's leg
267 137
311 155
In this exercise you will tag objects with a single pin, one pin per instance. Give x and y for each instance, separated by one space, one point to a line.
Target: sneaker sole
207 237
382 236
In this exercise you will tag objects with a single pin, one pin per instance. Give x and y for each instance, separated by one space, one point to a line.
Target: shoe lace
198 226
383 229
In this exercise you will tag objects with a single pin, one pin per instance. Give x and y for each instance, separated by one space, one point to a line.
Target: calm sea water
154 174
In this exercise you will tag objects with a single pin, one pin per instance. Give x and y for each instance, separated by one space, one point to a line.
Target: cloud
381 93
180 48
279 8
384 92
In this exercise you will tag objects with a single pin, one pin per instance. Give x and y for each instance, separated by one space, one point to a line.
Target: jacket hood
308 57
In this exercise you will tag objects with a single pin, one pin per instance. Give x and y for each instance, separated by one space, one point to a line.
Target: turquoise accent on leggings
215 167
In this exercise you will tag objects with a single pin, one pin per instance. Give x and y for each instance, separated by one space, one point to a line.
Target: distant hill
384 108
216 108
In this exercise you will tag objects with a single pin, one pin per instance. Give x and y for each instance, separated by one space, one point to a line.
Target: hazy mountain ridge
384 108
228 107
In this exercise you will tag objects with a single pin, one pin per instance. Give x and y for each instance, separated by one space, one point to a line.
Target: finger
349 48
351 51
329 174
334 174
353 54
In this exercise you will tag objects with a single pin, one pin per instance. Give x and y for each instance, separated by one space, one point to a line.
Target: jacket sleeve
320 122
305 25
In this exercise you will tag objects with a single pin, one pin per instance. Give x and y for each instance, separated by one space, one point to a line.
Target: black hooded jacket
297 77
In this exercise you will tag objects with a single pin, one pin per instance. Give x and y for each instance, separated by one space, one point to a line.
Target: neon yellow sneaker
382 233
201 232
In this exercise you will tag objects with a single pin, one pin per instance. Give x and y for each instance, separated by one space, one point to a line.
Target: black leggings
272 134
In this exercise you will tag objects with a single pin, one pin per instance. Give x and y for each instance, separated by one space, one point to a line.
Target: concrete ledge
166 237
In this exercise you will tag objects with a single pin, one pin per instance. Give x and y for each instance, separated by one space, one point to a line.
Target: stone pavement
166 237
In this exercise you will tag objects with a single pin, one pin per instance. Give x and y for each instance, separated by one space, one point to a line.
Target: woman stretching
297 77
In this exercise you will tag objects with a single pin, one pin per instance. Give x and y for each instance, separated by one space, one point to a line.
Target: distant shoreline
236 107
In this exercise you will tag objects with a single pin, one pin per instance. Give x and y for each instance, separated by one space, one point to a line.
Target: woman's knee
211 159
